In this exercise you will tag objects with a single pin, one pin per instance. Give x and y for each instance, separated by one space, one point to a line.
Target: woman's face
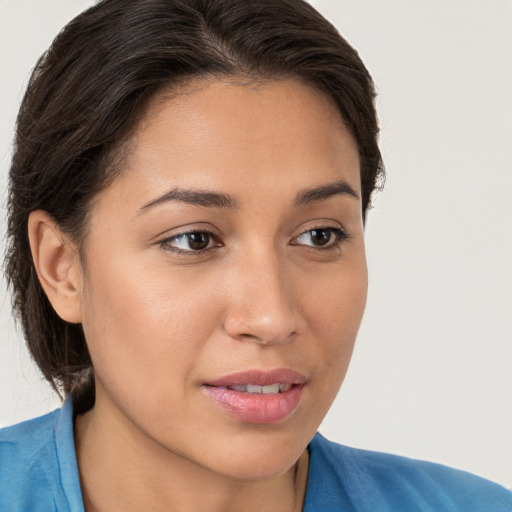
225 275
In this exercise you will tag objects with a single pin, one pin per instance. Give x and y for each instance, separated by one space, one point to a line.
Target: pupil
320 236
198 241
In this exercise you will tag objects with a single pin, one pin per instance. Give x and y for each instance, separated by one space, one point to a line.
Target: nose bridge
262 305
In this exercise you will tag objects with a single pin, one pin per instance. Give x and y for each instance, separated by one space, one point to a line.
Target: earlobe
57 264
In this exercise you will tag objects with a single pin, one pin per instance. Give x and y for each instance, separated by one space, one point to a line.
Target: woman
188 194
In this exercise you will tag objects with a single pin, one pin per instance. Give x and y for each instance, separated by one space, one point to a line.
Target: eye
193 241
322 238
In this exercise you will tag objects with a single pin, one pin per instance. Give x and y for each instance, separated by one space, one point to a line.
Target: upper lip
259 377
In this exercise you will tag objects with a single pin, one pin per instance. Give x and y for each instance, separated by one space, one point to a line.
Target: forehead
216 133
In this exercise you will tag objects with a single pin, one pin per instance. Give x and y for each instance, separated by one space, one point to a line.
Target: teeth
254 388
271 389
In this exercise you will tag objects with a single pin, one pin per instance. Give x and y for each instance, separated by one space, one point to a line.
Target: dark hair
89 89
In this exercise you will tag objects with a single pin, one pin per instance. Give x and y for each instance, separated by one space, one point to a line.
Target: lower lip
256 408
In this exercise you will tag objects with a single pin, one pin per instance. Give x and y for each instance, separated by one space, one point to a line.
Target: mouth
271 389
258 397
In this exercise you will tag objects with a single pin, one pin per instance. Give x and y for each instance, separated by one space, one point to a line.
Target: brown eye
321 237
194 241
198 241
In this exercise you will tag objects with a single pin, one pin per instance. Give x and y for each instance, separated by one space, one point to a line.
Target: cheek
334 310
335 300
144 326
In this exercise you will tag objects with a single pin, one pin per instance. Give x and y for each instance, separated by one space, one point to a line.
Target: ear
57 264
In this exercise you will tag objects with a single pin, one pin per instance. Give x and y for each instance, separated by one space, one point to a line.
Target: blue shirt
39 473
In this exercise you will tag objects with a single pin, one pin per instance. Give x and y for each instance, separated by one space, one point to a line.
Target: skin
263 295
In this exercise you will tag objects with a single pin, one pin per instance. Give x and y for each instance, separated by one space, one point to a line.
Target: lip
259 377
257 408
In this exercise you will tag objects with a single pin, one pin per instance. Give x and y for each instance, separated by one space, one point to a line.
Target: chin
253 468
257 455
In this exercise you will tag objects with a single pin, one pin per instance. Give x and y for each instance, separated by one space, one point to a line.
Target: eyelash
165 244
340 236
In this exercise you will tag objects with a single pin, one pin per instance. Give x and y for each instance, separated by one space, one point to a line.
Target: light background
431 375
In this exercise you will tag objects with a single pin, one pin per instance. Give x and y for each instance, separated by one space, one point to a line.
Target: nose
263 306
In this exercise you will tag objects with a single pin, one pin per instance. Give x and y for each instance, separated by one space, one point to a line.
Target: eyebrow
210 199
195 197
323 192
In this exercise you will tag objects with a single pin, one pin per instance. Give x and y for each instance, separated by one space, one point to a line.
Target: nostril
261 305
250 328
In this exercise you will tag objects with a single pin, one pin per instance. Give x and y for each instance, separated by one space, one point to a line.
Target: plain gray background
431 375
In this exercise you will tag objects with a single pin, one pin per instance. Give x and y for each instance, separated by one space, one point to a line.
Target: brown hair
88 90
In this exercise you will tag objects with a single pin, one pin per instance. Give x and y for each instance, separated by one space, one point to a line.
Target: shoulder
30 464
31 430
21 445
368 480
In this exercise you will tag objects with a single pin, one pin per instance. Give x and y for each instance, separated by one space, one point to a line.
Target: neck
121 470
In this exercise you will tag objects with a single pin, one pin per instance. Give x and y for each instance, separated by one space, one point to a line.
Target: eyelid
340 233
165 242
